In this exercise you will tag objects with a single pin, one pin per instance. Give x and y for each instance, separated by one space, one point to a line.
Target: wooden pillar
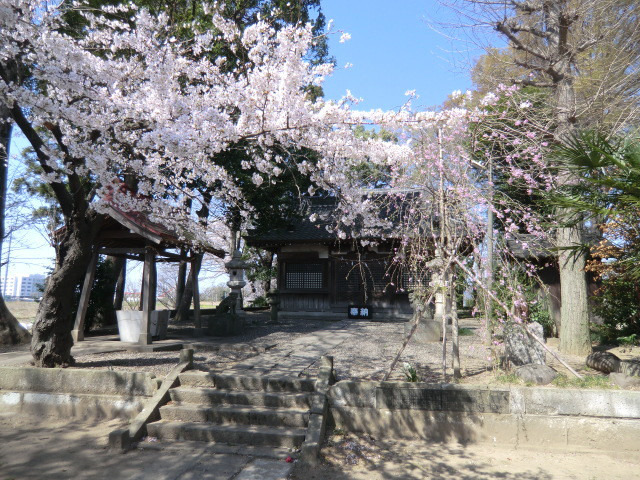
120 286
196 295
148 292
78 328
182 280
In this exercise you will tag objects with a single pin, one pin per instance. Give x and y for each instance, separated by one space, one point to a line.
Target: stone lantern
236 267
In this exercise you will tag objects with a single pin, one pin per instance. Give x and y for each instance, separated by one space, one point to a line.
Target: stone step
247 382
215 396
213 448
232 414
231 434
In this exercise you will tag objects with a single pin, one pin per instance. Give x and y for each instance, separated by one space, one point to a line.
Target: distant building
22 286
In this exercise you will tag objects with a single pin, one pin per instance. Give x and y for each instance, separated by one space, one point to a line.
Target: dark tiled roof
302 229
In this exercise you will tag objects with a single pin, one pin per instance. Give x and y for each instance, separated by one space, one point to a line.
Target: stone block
426 331
630 367
520 348
80 381
398 398
186 356
119 440
624 381
538 374
224 324
474 400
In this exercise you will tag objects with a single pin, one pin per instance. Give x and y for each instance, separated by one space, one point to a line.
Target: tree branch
59 189
75 185
504 29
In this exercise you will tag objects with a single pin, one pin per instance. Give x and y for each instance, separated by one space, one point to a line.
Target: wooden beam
117 234
121 250
78 329
147 301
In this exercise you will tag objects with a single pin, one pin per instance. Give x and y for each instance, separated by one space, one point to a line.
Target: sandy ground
55 449
39 448
362 457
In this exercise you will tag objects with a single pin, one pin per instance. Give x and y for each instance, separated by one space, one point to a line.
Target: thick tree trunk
52 342
574 324
182 280
111 283
182 315
11 332
574 315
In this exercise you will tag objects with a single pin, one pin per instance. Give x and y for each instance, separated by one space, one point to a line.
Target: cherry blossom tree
126 100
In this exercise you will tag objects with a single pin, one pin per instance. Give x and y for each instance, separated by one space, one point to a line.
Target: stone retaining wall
75 392
605 419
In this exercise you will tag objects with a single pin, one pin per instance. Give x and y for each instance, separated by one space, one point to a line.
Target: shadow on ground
56 449
362 457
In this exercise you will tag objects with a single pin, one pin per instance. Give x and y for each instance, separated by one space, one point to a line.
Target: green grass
466 332
509 378
587 381
562 381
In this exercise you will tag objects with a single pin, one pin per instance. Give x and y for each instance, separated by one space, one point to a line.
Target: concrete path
37 448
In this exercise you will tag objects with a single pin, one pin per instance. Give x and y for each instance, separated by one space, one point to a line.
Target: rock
630 367
604 362
426 331
224 325
536 373
520 348
624 381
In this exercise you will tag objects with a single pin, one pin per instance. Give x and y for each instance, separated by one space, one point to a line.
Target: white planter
130 324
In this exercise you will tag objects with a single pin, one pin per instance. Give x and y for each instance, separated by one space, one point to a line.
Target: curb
122 439
310 449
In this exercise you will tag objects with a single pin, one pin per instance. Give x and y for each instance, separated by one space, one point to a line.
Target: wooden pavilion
133 235
320 274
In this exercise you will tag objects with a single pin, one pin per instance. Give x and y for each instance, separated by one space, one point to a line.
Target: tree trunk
51 343
182 279
11 332
575 337
115 266
182 315
574 315
267 263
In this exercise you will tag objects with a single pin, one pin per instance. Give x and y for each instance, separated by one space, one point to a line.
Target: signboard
359 311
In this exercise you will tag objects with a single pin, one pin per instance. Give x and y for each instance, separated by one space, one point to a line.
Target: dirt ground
352 457
57 449
365 354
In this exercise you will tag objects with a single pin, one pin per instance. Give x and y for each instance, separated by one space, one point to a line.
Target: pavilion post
196 295
78 328
148 296
120 286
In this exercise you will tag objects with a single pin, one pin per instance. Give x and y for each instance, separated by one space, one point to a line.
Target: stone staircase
237 409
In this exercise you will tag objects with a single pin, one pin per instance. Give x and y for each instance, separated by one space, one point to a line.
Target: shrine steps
236 410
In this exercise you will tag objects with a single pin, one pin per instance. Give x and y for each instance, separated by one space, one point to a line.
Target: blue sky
392 50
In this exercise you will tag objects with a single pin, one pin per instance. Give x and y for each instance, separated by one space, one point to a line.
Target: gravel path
365 354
